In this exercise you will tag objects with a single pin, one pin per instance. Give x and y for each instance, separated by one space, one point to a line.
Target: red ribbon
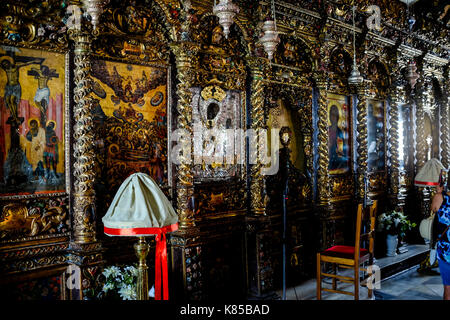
140 231
427 183
161 267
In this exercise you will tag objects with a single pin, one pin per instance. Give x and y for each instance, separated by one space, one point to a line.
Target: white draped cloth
428 175
139 203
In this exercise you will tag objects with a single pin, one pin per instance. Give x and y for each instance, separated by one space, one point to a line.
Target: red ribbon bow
160 255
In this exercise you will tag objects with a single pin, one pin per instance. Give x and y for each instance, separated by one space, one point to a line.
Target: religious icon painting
131 116
217 119
338 134
32 122
376 136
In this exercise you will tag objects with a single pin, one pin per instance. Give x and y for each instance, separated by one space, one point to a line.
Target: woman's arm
437 199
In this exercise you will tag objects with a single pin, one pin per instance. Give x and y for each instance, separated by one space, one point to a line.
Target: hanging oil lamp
225 11
270 39
355 77
95 9
412 75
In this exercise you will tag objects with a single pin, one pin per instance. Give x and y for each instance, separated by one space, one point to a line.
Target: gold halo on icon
51 121
29 122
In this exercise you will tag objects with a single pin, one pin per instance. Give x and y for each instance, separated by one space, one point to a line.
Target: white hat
428 176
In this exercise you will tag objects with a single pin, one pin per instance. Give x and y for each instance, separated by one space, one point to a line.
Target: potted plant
395 224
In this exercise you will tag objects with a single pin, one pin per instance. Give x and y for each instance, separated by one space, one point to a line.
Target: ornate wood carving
34 218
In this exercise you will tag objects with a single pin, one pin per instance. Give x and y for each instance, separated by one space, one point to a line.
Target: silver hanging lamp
355 77
225 11
270 39
95 9
412 75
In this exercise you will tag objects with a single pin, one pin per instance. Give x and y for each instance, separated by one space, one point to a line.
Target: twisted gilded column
421 101
186 63
257 185
85 252
321 81
421 143
445 130
307 131
84 156
394 147
361 139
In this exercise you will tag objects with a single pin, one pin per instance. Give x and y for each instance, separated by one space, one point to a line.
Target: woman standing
441 205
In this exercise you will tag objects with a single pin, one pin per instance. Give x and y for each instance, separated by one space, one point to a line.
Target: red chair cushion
347 252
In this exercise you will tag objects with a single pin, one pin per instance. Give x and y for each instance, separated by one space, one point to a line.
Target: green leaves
394 223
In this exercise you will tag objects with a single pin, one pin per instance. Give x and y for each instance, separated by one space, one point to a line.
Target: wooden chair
349 257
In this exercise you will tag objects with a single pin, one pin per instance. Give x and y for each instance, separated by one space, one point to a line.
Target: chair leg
370 267
334 279
319 279
369 286
356 281
369 293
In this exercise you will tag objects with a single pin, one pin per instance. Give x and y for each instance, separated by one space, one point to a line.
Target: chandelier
270 38
225 11
94 8
355 77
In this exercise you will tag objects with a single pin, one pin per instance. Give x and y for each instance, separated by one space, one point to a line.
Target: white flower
127 292
107 272
112 271
108 286
122 281
132 270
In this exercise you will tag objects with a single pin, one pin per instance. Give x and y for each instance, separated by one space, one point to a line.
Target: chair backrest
369 234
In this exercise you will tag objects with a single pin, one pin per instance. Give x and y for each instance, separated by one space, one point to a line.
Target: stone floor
406 285
411 285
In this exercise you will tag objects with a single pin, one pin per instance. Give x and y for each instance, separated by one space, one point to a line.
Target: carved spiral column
257 185
307 131
84 155
85 252
322 124
421 143
421 100
394 155
186 62
445 130
361 140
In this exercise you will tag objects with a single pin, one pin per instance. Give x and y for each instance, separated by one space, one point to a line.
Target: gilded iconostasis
319 109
